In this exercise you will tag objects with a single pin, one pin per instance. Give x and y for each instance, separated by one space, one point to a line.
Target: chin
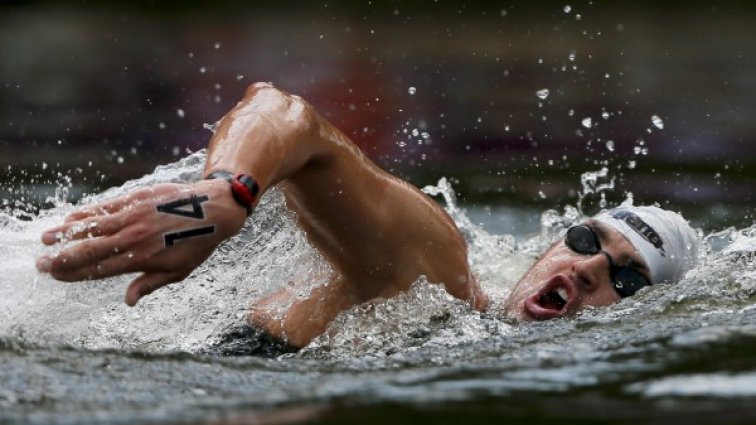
516 313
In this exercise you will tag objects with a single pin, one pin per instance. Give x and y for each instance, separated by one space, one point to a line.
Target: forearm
279 138
378 232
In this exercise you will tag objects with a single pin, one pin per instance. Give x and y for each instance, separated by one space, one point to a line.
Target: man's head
604 259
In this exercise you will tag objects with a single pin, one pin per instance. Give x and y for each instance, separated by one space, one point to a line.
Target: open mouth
553 300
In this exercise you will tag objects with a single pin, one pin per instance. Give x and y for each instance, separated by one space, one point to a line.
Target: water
74 353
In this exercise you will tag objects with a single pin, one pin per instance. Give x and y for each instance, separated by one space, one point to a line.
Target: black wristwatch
244 188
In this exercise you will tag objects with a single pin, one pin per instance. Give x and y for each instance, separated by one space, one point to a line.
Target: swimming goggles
626 280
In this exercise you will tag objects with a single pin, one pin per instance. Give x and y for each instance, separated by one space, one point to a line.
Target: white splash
657 122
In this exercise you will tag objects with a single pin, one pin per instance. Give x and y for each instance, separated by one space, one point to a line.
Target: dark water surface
685 373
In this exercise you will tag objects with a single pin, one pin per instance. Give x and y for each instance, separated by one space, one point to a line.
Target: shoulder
432 244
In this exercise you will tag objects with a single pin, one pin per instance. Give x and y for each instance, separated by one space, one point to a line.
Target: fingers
104 208
117 204
83 254
113 266
147 283
86 228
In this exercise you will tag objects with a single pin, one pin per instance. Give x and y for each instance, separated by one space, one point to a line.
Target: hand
164 232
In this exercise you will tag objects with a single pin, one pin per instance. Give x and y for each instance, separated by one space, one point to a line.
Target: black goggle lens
625 280
582 240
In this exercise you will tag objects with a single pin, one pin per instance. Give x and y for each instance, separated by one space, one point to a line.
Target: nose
591 271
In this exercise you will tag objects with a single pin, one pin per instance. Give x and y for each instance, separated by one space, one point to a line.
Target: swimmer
378 232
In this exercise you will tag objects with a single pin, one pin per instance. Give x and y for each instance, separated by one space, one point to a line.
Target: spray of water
186 316
271 251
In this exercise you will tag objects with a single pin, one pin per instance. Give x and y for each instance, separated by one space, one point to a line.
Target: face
562 281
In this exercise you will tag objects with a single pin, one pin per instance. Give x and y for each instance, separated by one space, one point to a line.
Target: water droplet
217 45
412 91
542 94
176 151
202 70
657 121
631 164
180 113
162 126
605 115
587 122
119 160
503 13
211 127
637 150
541 194
610 145
572 56
239 77
567 9
44 166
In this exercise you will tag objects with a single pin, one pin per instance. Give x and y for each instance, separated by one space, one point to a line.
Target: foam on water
185 316
271 251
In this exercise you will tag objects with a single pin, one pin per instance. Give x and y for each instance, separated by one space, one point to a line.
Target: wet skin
563 282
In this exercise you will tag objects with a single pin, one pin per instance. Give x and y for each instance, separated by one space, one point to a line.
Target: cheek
556 261
604 297
553 262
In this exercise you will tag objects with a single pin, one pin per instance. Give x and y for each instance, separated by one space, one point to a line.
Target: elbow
289 111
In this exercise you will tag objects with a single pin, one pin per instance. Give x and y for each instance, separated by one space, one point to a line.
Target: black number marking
178 207
171 238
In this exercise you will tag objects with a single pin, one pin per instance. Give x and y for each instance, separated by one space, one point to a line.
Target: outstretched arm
379 232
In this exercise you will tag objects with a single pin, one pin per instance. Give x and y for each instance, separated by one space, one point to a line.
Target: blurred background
513 101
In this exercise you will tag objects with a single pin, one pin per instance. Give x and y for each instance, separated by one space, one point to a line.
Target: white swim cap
663 238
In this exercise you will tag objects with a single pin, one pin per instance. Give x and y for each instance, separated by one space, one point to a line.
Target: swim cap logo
641 227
